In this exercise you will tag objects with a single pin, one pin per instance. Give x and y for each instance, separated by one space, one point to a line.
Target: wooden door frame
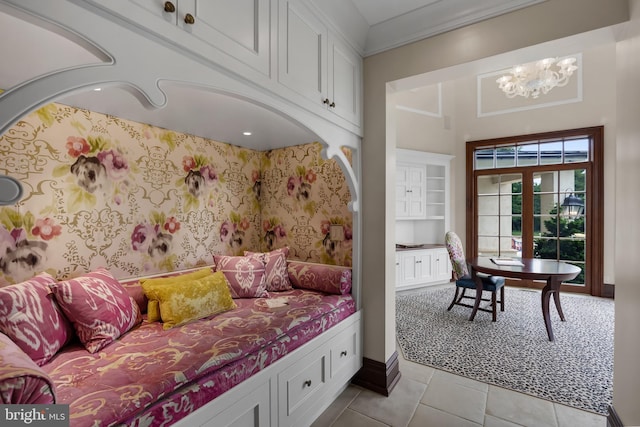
594 206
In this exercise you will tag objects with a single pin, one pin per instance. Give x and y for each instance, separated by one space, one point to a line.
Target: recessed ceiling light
246 133
98 89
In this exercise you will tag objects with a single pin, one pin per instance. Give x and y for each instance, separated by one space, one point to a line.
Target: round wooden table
551 271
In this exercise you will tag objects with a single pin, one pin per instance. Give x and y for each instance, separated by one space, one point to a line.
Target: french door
538 196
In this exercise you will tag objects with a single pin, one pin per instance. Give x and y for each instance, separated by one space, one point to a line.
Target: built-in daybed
278 358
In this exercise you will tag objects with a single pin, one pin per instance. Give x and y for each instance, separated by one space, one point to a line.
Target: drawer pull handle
169 7
307 383
189 19
343 353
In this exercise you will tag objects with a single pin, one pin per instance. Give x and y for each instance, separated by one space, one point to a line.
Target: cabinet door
398 269
299 385
425 264
409 267
402 192
417 192
442 265
239 28
410 192
157 8
302 51
344 81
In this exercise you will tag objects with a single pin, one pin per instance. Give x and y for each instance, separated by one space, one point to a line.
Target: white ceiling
391 23
376 11
398 22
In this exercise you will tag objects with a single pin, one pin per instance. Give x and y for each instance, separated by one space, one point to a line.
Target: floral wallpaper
138 199
302 195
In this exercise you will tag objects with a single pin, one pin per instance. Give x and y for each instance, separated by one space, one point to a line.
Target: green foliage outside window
563 248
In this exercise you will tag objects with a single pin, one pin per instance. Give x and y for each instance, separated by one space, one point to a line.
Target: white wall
626 378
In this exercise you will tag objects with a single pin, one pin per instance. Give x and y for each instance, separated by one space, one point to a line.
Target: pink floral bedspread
154 377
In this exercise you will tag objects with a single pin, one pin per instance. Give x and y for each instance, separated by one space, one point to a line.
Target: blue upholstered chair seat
489 283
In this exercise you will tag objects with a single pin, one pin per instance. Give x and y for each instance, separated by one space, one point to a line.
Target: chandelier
534 78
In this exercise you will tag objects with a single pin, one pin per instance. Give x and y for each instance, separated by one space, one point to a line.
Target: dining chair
464 280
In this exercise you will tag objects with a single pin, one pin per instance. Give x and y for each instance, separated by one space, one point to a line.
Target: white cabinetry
295 389
411 186
302 50
315 64
303 384
441 266
422 267
422 196
283 46
209 28
344 81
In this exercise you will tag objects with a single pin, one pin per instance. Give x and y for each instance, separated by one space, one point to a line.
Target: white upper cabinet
344 81
285 47
422 195
411 183
302 51
314 63
209 28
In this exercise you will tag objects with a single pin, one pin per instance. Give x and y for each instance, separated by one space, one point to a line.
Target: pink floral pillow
30 316
332 279
275 263
99 308
245 275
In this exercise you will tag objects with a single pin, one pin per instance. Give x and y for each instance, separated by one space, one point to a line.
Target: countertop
418 246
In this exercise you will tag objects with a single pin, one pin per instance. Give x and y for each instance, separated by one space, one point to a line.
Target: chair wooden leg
493 306
502 298
461 295
455 297
476 305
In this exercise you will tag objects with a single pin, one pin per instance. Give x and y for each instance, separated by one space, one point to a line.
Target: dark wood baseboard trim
608 290
377 376
613 420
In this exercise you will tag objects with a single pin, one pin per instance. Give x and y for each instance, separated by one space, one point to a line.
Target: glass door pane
499 202
559 217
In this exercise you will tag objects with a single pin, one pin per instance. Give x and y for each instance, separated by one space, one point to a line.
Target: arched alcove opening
141 118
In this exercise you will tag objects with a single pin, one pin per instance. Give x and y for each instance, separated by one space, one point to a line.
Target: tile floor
428 397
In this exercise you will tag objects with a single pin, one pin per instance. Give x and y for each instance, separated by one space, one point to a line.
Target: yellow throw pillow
149 284
183 302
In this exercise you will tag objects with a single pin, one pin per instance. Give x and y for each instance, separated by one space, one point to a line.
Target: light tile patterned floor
427 397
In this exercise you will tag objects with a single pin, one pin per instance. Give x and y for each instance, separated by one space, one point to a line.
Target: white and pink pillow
245 275
275 263
30 316
99 308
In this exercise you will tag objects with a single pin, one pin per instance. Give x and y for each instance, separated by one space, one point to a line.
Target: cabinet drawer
344 354
300 383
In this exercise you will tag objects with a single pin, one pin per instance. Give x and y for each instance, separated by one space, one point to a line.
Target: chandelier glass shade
535 78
